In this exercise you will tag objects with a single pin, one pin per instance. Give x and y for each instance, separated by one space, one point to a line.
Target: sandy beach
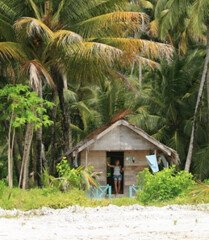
104 223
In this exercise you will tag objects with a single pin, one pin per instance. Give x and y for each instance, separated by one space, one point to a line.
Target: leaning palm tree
200 26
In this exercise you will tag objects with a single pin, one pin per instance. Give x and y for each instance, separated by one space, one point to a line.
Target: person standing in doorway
117 175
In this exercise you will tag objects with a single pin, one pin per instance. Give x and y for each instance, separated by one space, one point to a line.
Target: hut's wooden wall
121 138
98 160
132 169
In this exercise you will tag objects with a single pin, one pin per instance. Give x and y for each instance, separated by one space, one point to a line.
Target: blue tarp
152 160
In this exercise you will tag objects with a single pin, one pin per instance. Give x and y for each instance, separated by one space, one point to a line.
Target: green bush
70 178
164 185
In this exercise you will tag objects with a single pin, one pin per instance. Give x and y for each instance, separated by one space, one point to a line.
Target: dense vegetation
164 185
35 198
67 68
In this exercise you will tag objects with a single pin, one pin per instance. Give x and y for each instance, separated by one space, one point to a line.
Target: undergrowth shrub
164 185
70 178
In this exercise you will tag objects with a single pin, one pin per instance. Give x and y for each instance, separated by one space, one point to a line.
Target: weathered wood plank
121 138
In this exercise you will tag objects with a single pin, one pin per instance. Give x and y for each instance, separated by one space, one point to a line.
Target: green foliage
50 197
164 185
162 104
164 107
63 168
21 106
70 178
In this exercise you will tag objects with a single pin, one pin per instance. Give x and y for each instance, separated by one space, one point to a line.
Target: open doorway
111 158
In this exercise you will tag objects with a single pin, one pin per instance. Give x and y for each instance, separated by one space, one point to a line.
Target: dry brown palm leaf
144 48
36 72
154 28
147 62
96 52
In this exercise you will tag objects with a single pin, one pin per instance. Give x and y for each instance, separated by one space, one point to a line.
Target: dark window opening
111 158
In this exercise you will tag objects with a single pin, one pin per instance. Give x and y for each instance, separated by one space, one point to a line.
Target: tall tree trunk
140 73
16 162
26 156
200 92
10 140
38 157
208 98
39 142
65 111
53 137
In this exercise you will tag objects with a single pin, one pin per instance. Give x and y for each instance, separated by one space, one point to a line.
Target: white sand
115 223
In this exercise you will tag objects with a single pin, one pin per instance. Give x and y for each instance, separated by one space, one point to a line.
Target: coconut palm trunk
39 143
53 136
39 157
61 82
200 92
26 156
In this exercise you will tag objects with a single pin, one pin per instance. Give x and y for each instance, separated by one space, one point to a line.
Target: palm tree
195 18
164 108
105 38
200 26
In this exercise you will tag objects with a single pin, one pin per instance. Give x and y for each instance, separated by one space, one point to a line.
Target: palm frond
6 30
146 4
11 51
70 96
146 62
168 13
56 16
32 28
36 72
97 53
114 22
7 10
198 19
71 12
146 48
64 37
201 162
154 28
35 9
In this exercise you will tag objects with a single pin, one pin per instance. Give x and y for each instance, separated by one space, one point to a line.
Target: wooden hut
121 141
